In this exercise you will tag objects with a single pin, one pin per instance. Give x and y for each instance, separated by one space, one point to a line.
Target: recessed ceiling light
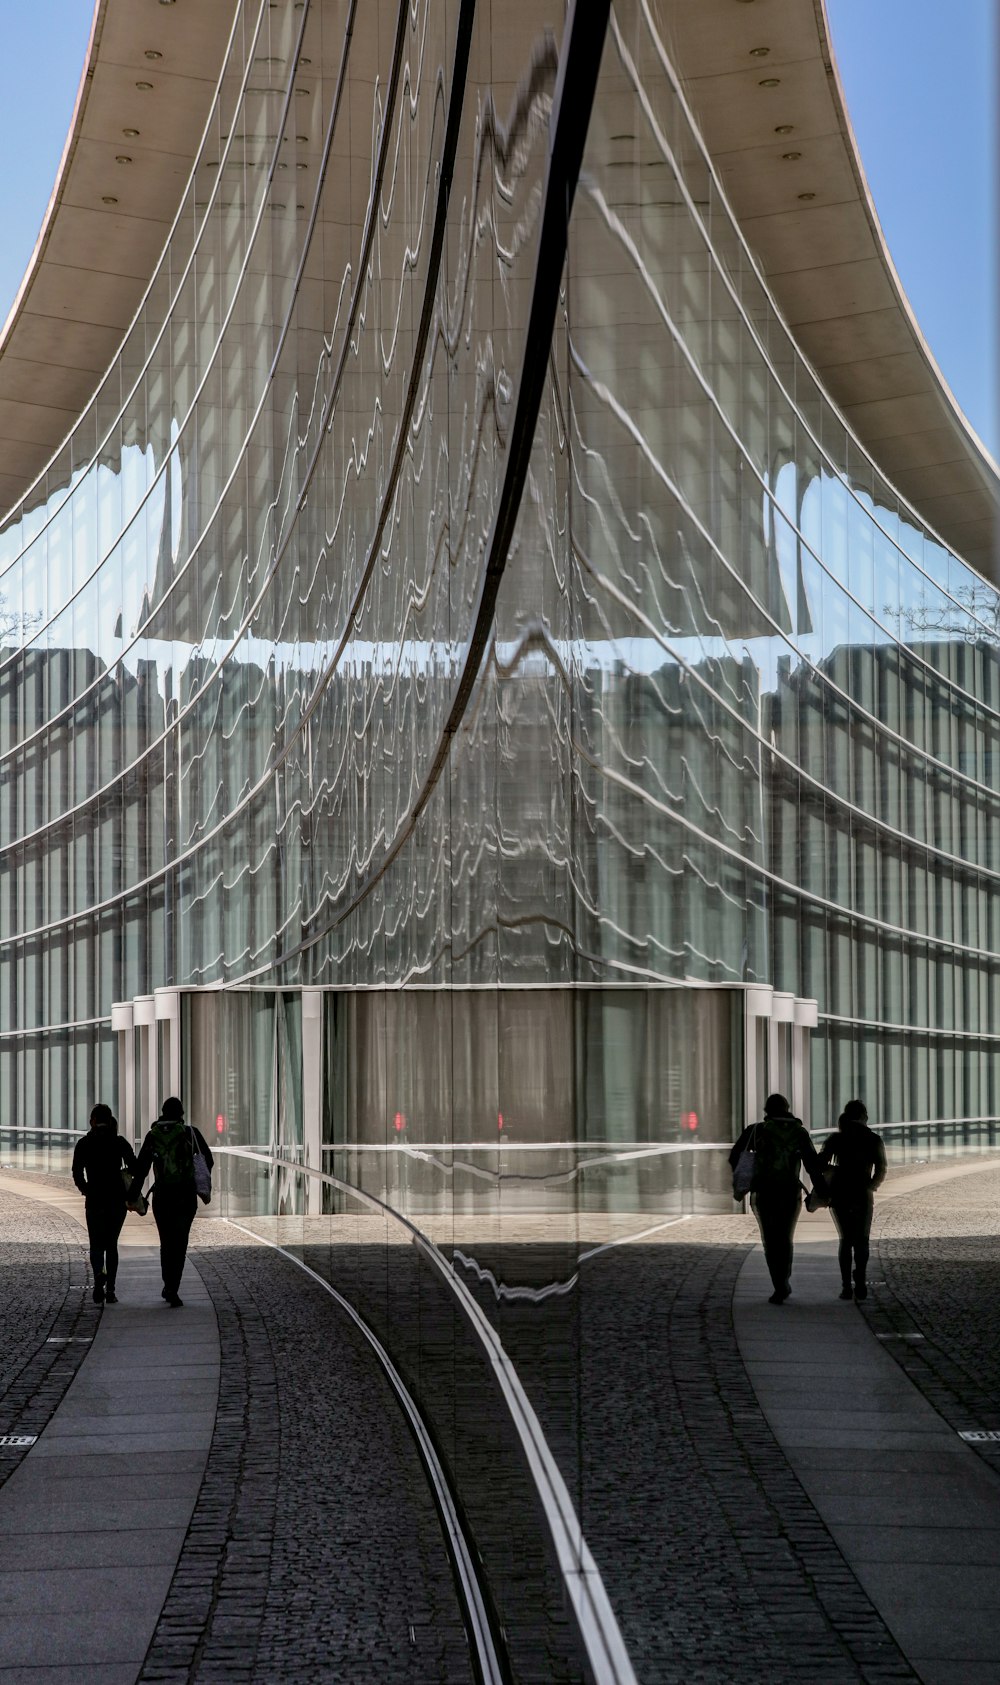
770 82
759 52
166 2
302 166
301 140
108 199
305 61
151 53
144 87
807 195
790 157
282 166
784 128
131 134
123 158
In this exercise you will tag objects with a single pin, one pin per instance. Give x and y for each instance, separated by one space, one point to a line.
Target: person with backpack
101 1159
780 1146
856 1156
170 1148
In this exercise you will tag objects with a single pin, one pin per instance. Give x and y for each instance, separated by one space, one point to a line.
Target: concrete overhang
824 257
150 68
777 127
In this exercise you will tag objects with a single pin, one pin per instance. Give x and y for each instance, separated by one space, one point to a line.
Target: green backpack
173 1158
778 1152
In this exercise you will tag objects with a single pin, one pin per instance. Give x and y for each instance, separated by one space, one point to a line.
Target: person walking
780 1145
169 1149
100 1159
855 1155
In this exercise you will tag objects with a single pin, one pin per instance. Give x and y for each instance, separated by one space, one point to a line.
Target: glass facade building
471 712
732 719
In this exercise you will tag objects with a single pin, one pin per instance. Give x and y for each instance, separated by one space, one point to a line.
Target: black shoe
98 1294
110 1297
860 1290
164 1294
778 1298
845 1291
175 1302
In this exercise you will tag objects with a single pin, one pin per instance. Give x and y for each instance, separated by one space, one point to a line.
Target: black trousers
104 1225
853 1217
777 1212
174 1214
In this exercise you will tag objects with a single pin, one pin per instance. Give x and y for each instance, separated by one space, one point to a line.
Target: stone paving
47 1318
315 1552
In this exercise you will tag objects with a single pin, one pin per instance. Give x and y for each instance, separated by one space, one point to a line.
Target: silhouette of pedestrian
99 1158
857 1158
780 1145
169 1149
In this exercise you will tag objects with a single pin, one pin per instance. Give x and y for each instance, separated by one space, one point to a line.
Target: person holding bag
172 1149
102 1163
779 1145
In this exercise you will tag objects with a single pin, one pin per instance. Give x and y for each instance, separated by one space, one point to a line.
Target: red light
220 1125
399 1123
499 1120
689 1120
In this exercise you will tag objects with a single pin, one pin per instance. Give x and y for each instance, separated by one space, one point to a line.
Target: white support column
756 1072
144 1018
121 1023
168 1013
312 1095
806 1019
782 1020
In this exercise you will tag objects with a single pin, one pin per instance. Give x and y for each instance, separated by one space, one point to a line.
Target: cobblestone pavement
718 1566
315 1552
938 1257
48 1317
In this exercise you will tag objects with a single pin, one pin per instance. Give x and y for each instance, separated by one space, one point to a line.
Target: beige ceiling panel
919 450
853 339
768 183
887 418
31 424
716 38
69 295
833 292
84 347
837 235
106 240
900 376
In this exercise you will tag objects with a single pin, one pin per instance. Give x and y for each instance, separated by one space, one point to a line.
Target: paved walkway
92 1521
907 1500
230 1492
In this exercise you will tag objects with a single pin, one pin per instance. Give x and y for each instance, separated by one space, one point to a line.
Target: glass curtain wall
736 721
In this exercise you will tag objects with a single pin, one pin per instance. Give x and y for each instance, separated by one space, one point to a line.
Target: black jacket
781 1146
857 1157
99 1158
154 1149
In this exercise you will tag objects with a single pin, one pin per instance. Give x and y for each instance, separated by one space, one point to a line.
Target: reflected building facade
415 729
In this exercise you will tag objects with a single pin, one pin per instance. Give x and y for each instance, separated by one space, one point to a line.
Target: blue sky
921 80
